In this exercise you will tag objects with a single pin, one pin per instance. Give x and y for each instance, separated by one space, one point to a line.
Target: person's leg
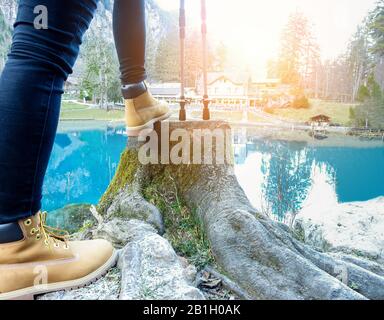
142 110
30 94
130 36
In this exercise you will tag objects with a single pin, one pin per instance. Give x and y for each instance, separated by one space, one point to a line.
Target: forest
356 76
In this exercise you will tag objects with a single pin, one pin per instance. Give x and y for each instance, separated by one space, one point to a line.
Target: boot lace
52 235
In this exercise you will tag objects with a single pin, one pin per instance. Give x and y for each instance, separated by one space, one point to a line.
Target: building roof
72 80
321 118
238 78
165 89
235 78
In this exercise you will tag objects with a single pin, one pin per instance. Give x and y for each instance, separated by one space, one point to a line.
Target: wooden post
206 113
182 112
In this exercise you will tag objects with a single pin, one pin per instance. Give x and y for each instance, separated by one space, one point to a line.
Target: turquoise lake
278 176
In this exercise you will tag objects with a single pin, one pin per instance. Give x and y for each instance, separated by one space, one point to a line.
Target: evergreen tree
194 59
376 28
299 53
99 81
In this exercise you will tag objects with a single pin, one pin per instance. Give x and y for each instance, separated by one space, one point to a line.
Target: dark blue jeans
31 86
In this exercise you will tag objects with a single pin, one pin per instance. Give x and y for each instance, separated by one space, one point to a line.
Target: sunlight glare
251 29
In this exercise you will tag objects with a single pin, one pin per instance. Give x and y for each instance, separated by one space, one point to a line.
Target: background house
241 88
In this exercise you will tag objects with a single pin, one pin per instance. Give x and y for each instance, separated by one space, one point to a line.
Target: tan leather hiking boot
43 261
142 112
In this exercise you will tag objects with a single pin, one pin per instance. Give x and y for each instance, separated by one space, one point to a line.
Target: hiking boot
143 111
38 259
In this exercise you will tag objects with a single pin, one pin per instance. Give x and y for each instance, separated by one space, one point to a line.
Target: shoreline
255 131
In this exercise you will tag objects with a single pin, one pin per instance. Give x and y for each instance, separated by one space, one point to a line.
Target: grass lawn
339 112
76 111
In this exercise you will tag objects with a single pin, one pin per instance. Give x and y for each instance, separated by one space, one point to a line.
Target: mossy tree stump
264 257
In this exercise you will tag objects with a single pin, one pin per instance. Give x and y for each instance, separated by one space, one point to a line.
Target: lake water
278 176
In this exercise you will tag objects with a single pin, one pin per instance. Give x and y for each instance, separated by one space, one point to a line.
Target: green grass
184 229
339 112
76 111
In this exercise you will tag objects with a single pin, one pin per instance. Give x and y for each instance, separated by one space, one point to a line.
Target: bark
263 257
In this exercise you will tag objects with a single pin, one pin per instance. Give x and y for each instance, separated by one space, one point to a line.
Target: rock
152 270
129 206
148 268
120 232
355 228
107 288
71 218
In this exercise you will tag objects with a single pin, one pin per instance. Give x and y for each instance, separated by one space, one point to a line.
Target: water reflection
284 176
81 169
279 177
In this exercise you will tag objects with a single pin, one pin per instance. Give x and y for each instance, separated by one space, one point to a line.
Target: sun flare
251 30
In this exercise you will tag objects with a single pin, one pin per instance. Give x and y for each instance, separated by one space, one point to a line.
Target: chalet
222 84
230 89
241 88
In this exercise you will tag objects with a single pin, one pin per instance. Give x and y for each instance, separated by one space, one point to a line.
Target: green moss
183 228
125 174
299 234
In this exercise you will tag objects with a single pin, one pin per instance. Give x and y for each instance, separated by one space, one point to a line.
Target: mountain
5 38
159 24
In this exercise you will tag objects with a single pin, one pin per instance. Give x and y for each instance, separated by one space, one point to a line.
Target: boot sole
31 292
135 131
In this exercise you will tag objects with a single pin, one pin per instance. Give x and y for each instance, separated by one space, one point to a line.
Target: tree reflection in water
287 177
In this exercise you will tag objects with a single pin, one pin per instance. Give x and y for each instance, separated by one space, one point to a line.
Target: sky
251 29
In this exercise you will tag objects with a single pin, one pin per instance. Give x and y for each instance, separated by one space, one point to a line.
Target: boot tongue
37 219
10 232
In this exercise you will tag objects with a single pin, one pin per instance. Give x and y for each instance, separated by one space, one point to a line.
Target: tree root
263 257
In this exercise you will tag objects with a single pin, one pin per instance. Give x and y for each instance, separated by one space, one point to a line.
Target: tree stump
264 257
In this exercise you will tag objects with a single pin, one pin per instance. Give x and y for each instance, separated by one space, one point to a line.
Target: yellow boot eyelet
38 237
56 245
28 222
66 247
33 231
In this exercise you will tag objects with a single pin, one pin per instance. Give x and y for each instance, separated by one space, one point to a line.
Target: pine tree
299 53
167 58
99 81
376 28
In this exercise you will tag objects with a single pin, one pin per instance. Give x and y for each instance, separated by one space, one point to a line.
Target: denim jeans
32 83
129 32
